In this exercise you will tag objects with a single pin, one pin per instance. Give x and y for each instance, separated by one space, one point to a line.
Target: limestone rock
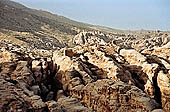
135 58
6 56
107 95
53 106
15 95
95 75
72 105
89 38
163 51
164 85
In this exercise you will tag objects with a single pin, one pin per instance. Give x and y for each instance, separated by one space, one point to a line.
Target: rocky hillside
21 25
49 63
37 28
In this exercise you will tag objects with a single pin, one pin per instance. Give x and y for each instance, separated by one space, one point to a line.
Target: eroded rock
164 85
107 95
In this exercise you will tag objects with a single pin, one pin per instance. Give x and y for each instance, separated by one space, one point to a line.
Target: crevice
157 91
138 75
155 59
46 82
95 69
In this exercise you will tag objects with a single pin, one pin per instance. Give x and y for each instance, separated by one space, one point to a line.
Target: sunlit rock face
91 76
113 96
52 64
83 65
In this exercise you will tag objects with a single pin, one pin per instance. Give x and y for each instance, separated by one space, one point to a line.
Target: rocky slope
97 77
49 64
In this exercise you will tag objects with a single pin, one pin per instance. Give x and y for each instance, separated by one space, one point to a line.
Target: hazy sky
120 14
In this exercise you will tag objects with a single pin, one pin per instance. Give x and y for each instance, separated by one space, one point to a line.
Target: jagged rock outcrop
106 95
163 81
15 95
33 81
141 41
90 37
90 61
29 86
135 58
163 51
49 63
77 67
90 77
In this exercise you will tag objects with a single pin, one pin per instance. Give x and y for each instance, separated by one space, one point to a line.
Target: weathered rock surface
85 64
90 37
164 85
109 96
22 90
15 95
163 51
100 69
150 69
91 77
162 58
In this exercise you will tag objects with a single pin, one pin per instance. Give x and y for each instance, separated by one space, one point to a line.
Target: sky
118 14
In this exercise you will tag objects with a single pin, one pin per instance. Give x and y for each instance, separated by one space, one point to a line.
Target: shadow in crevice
141 78
138 75
157 91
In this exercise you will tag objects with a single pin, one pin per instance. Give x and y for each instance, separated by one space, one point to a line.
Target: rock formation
52 64
92 76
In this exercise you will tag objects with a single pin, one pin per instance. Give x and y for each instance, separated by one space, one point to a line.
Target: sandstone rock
9 101
163 81
163 51
92 65
15 95
53 106
6 56
23 73
71 68
135 58
72 105
79 78
110 67
36 89
89 38
106 95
